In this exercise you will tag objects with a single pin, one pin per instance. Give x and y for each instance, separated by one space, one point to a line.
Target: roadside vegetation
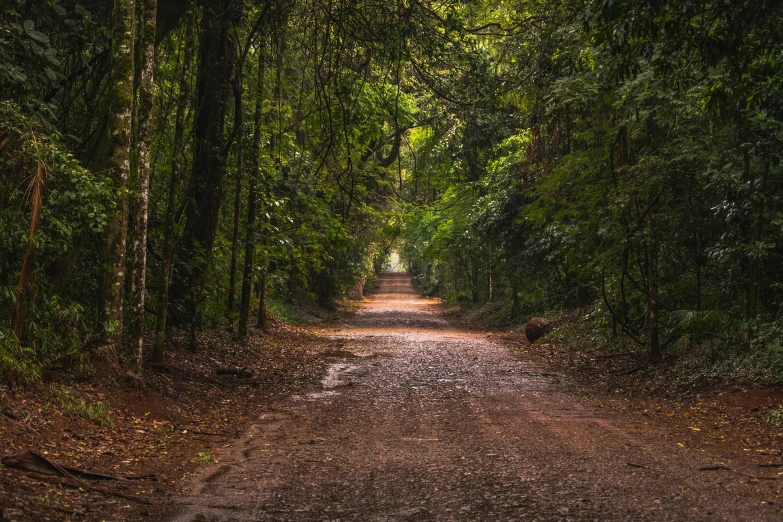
627 167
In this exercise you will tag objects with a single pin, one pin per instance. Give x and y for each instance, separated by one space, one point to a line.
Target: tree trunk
489 273
274 152
652 285
755 264
176 176
237 200
252 198
261 323
25 290
145 104
206 184
652 255
118 154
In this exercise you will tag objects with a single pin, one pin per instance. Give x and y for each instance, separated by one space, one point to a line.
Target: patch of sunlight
396 263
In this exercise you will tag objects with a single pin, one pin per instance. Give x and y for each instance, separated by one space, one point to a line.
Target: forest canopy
181 164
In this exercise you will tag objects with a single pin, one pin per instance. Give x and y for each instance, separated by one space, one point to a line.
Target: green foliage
202 457
18 365
70 404
630 137
776 417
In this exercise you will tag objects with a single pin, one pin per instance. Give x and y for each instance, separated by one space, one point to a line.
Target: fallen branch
33 462
82 485
186 374
7 413
724 468
772 465
242 373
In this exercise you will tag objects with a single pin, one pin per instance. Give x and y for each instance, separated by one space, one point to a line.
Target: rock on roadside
538 327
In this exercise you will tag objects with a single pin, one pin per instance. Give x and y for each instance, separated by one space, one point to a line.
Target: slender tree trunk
176 176
261 323
25 290
252 198
489 272
755 266
119 128
652 254
135 346
652 287
237 206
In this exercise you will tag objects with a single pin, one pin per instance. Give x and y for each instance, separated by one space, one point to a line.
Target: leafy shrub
18 364
98 412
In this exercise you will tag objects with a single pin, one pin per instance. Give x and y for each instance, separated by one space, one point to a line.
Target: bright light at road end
396 264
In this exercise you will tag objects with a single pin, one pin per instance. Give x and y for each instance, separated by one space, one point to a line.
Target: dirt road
419 420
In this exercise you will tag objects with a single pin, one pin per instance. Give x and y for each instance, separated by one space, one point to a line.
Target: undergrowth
776 417
690 361
709 347
72 405
302 312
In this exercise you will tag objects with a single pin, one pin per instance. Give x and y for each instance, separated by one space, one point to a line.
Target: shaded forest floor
737 423
168 431
735 418
188 413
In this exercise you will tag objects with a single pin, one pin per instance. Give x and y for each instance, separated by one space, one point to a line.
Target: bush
18 364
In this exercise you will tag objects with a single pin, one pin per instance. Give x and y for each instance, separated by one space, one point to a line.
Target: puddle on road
335 373
334 378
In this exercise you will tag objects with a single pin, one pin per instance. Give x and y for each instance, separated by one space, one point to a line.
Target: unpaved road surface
419 420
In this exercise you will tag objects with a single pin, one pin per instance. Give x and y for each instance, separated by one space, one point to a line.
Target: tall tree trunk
209 161
274 150
174 183
652 283
652 254
145 104
25 290
118 154
755 264
252 197
237 196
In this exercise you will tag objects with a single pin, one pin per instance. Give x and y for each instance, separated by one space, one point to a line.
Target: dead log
240 373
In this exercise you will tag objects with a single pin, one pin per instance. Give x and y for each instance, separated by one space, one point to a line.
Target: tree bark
135 345
252 198
652 284
118 154
261 323
237 197
209 161
25 290
655 350
174 184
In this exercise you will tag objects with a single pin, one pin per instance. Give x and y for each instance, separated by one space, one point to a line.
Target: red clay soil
419 419
397 413
186 413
